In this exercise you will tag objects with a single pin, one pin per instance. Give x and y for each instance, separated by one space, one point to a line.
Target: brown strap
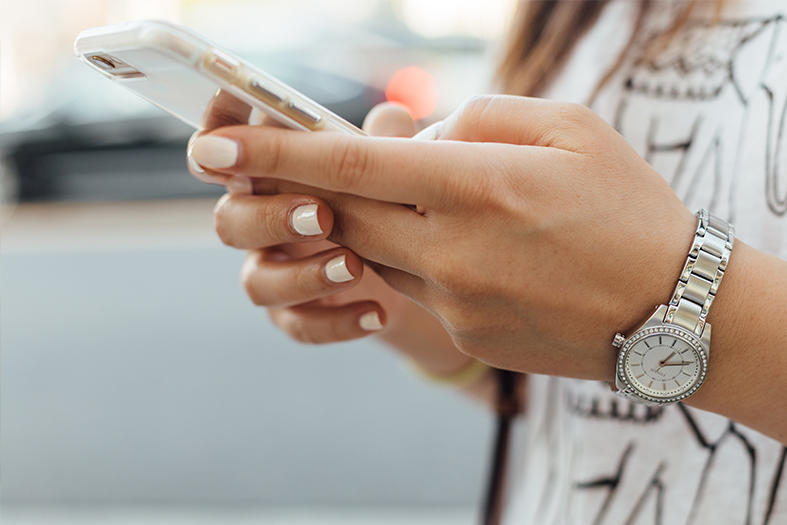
508 406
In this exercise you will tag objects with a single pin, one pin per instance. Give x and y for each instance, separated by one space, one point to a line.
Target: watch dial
663 365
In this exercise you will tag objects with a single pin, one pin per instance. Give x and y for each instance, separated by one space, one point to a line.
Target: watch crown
619 340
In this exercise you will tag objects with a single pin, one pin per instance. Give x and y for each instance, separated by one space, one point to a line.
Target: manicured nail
337 271
201 174
193 163
240 184
215 152
304 220
430 133
370 322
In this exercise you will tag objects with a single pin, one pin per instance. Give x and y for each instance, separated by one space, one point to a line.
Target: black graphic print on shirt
728 77
708 112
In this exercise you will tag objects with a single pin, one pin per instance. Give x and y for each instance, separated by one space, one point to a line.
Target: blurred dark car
103 143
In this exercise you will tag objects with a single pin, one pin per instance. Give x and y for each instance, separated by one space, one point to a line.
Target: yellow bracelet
465 376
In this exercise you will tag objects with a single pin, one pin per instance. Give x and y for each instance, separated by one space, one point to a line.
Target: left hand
539 232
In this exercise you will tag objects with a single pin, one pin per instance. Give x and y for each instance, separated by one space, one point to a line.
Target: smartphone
196 81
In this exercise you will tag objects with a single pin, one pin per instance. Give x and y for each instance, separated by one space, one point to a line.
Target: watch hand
661 363
681 363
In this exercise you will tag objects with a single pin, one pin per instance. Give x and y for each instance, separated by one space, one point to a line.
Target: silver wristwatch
665 360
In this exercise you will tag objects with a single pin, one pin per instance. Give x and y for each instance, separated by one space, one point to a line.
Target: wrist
665 360
746 373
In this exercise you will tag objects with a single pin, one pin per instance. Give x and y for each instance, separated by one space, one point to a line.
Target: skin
303 302
534 234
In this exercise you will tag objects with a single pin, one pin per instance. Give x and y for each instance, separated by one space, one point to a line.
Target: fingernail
370 322
337 271
193 163
304 220
215 152
430 133
201 174
240 184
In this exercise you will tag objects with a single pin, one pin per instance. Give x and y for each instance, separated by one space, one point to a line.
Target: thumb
389 120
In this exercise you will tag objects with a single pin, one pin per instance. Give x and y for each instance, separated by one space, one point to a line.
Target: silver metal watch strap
702 273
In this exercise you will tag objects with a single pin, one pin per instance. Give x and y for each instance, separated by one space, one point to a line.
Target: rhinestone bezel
675 331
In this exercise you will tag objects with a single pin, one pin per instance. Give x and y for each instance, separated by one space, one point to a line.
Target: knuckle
249 283
349 161
474 106
465 120
221 220
251 290
335 332
300 331
577 115
304 279
479 118
272 220
576 128
294 326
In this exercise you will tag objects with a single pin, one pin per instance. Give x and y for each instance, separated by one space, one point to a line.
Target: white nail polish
337 271
193 163
305 221
370 322
240 184
214 152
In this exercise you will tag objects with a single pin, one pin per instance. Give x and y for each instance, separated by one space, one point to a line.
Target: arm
747 378
539 233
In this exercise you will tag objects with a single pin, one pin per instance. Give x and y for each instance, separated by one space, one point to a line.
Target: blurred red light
415 89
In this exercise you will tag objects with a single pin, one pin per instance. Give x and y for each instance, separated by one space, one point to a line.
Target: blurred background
138 384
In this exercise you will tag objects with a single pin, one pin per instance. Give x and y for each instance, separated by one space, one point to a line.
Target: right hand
289 272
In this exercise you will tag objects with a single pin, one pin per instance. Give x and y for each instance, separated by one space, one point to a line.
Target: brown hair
545 32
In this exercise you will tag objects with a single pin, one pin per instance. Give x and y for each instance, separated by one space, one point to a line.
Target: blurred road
135 372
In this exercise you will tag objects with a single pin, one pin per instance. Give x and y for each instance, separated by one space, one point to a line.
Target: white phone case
196 81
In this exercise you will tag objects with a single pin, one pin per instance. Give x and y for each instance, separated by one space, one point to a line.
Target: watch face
662 364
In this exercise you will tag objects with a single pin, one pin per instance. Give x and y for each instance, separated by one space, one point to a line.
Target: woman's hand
541 233
315 290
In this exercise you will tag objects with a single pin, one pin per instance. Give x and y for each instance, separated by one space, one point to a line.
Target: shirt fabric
709 113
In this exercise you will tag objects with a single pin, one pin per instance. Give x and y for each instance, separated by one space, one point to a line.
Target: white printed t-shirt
709 114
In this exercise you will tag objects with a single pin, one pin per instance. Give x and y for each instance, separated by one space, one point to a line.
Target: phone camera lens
102 62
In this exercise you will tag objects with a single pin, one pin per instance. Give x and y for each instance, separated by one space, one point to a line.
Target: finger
525 121
386 233
430 132
233 183
389 169
225 109
389 120
271 278
252 221
317 324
